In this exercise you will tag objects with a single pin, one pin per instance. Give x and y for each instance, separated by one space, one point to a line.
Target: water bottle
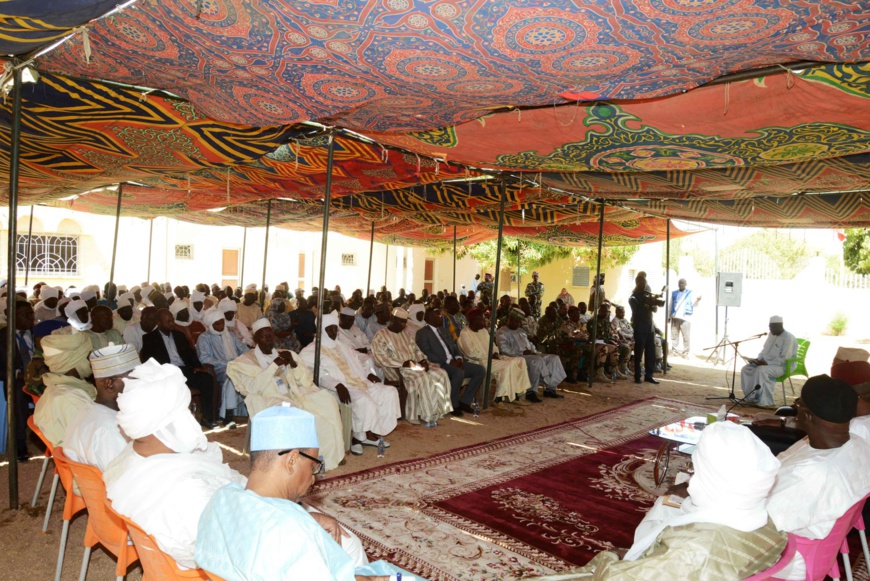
381 447
476 407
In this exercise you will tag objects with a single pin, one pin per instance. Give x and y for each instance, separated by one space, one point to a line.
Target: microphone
742 399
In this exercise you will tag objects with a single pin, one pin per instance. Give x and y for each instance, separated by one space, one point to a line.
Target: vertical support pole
591 373
720 353
244 248
519 277
321 296
454 258
667 297
386 264
12 255
29 248
495 290
150 237
266 251
115 240
371 258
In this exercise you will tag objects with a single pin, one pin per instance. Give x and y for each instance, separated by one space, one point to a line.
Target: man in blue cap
261 531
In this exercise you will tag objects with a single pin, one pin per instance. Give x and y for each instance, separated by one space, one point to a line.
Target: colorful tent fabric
406 65
29 25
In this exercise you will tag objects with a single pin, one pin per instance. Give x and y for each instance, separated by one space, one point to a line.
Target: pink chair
820 555
784 559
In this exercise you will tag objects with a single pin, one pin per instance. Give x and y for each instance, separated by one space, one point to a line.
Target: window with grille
184 251
348 259
48 254
580 276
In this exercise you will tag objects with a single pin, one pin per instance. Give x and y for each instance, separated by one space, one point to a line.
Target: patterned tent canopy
577 102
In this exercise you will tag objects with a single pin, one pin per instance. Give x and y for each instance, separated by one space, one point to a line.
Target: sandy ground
25 553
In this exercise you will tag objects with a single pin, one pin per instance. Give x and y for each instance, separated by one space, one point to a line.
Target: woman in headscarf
304 321
282 326
217 347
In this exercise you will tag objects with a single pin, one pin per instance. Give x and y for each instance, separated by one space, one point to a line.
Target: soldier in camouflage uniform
549 332
484 289
535 289
609 355
575 348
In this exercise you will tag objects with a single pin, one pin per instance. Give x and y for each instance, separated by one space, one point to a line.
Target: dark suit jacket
431 347
152 346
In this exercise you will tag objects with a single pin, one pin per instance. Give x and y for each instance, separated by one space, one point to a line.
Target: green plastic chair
794 367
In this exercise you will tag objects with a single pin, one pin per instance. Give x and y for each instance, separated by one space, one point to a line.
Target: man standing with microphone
643 304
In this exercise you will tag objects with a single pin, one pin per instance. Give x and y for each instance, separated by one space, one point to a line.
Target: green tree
702 259
790 256
856 250
536 254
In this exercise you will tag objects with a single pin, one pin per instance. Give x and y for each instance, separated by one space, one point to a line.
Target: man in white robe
510 373
427 386
217 347
167 474
374 406
262 531
758 376
720 530
351 336
134 332
228 307
197 305
513 342
93 436
267 377
248 311
66 392
824 474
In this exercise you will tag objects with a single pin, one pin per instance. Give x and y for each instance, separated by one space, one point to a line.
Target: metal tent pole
454 258
597 293
266 251
386 264
12 252
371 258
519 278
244 248
115 241
29 249
150 237
667 295
321 297
494 293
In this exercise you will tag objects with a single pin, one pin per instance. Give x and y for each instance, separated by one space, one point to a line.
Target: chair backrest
820 555
33 396
155 563
799 367
48 447
784 559
107 526
74 503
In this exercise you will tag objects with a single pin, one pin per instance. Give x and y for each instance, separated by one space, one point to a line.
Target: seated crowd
117 392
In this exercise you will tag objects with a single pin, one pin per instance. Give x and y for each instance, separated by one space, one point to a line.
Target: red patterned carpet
531 504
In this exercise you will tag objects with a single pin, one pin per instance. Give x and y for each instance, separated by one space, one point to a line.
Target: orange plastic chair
73 505
48 451
104 527
155 563
214 577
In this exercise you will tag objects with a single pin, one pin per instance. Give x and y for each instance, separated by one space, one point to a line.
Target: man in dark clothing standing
643 305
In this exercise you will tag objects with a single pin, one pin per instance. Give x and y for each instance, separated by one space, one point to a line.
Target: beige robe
428 392
101 340
64 397
511 373
268 386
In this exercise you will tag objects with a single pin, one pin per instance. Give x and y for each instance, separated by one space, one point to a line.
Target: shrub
838 324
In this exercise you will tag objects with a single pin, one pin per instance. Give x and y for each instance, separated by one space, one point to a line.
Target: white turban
251 288
48 292
197 297
260 324
65 352
128 297
776 319
156 401
211 317
228 305
175 308
135 288
88 295
122 288
734 472
73 318
146 292
91 288
330 319
412 311
348 311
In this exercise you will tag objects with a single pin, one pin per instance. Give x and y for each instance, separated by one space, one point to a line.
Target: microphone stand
742 400
731 397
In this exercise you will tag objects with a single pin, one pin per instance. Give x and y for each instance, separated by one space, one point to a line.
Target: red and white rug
531 504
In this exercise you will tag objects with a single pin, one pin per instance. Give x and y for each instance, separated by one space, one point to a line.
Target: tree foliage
702 258
790 256
856 250
535 254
